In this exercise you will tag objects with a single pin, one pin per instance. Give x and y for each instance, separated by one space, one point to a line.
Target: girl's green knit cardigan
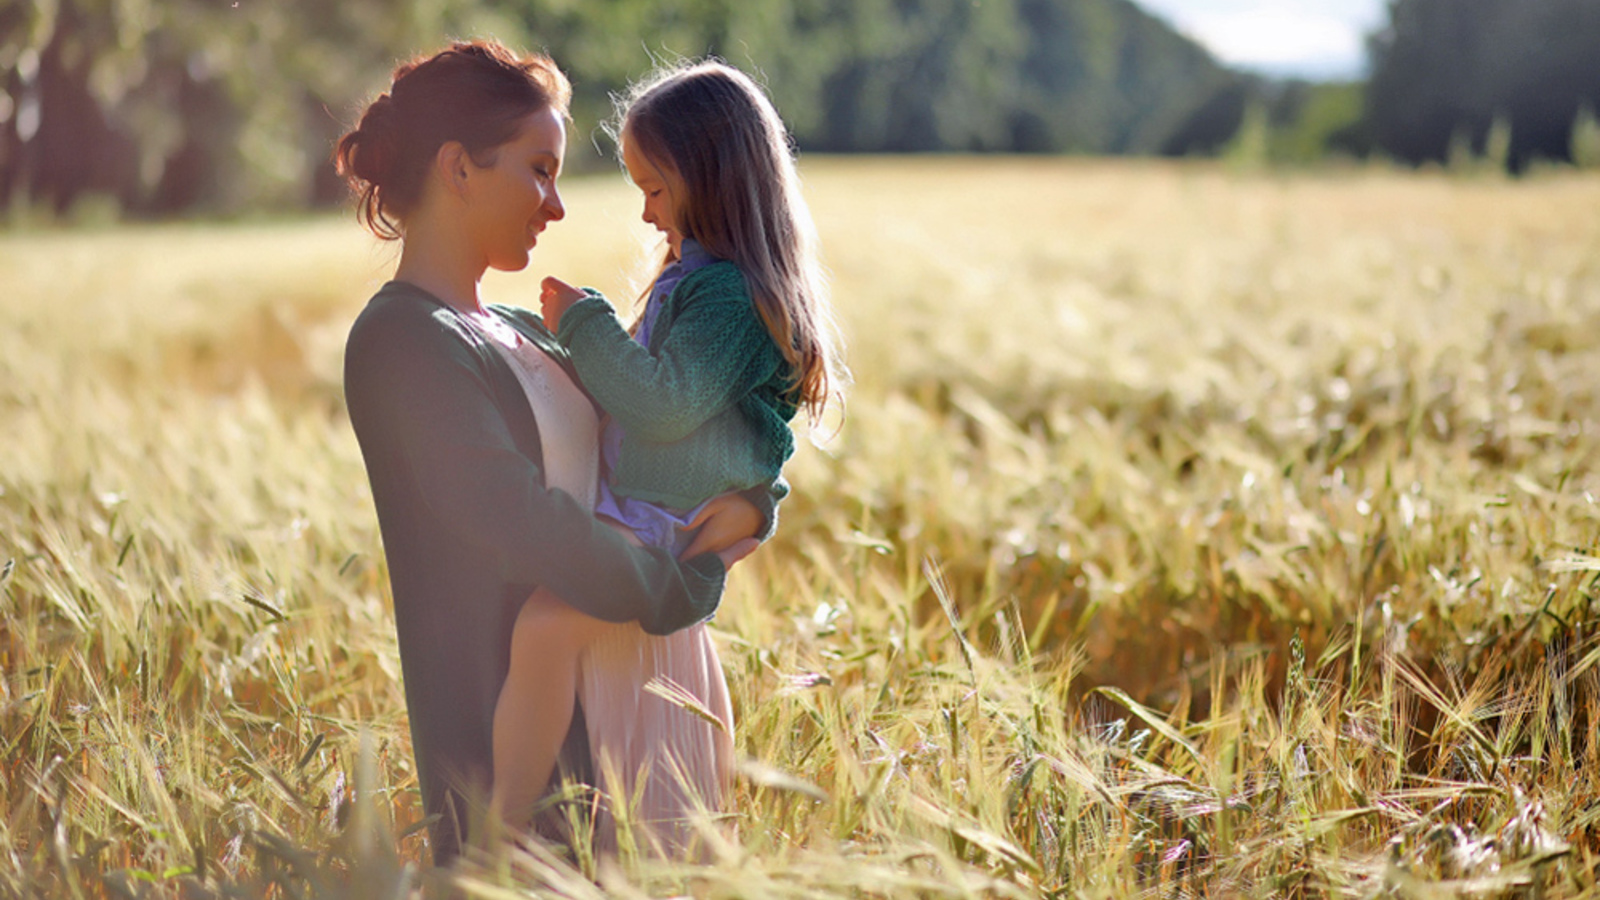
704 408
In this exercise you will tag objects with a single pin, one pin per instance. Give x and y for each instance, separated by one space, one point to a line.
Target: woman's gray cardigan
469 530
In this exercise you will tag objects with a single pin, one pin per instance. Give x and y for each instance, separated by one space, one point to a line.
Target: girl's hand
555 298
728 526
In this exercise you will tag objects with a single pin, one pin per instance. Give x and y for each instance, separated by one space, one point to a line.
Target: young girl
735 337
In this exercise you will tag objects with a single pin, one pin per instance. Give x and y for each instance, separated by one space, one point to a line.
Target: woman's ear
450 164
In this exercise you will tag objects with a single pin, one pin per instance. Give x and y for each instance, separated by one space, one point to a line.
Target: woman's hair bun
377 142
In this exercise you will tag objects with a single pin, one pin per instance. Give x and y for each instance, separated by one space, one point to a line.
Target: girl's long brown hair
715 127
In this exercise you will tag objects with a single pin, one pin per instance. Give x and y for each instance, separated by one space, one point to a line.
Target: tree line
1499 82
221 105
1465 75
217 105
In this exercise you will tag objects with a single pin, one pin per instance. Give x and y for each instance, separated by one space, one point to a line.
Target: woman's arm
417 395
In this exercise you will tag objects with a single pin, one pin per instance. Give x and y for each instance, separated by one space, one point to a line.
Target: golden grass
1190 534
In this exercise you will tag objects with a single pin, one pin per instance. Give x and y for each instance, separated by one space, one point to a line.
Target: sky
1318 39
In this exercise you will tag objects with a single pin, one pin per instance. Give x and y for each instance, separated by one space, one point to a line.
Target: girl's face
662 189
515 198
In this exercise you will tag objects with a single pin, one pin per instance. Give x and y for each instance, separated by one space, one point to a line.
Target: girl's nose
554 205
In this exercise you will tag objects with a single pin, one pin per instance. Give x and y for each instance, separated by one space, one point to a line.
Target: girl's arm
419 402
715 351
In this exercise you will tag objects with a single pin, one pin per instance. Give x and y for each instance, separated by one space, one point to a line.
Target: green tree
1311 121
1248 149
1448 67
1585 146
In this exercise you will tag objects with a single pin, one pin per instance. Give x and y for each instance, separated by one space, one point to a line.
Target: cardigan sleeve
716 350
764 497
419 393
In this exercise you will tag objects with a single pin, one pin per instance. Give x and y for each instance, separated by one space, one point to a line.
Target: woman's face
513 199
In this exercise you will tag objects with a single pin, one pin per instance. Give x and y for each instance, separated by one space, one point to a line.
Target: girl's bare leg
534 711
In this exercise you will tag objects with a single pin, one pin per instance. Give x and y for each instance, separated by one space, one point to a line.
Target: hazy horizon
1321 40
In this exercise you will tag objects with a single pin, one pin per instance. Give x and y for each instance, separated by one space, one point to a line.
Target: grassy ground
1189 534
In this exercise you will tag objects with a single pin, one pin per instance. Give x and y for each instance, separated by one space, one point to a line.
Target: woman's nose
554 205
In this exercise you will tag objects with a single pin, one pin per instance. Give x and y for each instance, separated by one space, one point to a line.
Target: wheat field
1189 532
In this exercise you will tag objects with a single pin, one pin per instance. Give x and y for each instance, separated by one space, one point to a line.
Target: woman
459 163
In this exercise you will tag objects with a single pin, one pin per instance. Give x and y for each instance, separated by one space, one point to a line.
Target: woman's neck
436 260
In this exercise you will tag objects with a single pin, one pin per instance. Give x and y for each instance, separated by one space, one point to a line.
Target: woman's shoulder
401 315
398 301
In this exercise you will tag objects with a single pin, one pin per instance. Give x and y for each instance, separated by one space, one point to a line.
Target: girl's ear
450 164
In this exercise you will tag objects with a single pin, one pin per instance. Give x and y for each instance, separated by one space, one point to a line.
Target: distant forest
1463 75
218 106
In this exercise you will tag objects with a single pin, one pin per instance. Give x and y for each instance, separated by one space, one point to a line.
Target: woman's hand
727 525
555 298
737 552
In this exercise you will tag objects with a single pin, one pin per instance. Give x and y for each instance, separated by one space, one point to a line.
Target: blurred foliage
1248 149
1257 120
222 105
1475 84
1505 80
1585 145
1312 121
217 106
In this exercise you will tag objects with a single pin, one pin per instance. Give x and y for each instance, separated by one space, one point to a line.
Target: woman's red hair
476 93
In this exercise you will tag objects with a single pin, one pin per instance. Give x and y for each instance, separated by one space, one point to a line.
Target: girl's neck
437 261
